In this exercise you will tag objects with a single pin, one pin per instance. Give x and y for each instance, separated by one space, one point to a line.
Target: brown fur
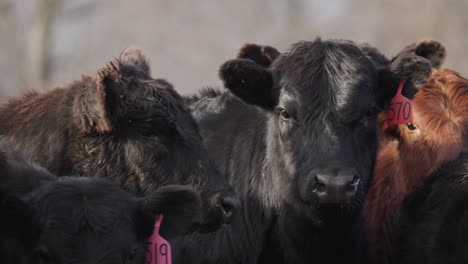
440 114
122 124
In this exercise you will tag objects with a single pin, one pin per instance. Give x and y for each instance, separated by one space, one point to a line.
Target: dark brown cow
122 124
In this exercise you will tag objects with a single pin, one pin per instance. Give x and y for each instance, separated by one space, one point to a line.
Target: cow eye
285 116
411 126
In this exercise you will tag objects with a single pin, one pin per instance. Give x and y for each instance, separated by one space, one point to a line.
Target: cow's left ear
411 68
249 81
93 106
262 55
429 49
180 205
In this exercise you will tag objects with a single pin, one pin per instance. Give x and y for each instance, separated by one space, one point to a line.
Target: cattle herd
295 161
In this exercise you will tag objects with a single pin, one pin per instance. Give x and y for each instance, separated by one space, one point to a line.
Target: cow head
46 219
91 220
138 131
322 99
438 132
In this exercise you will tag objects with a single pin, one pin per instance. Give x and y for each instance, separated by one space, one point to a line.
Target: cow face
91 220
46 219
130 124
322 100
440 121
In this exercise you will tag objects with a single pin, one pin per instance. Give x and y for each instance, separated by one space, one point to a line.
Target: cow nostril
320 186
228 206
353 183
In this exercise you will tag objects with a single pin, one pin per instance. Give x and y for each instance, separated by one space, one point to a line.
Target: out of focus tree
40 44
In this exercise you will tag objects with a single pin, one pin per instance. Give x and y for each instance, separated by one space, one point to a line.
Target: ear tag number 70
400 110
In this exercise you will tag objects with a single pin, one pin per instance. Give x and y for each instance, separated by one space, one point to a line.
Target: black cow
298 142
83 219
433 222
123 124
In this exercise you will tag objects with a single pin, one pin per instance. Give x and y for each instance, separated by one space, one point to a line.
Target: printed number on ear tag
158 249
400 110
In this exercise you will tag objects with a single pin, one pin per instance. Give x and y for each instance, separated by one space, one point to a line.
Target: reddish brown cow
410 153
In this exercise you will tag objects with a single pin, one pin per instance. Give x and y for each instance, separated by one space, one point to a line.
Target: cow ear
262 55
92 107
134 56
250 82
18 220
412 69
180 206
431 50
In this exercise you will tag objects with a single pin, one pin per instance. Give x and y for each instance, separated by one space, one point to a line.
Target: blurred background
45 43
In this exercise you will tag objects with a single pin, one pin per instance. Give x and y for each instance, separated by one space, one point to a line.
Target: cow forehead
157 92
73 205
333 75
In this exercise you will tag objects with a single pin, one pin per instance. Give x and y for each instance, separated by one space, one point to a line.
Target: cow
410 155
297 140
125 125
387 189
69 219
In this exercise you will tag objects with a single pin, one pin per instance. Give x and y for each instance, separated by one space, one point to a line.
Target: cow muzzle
335 187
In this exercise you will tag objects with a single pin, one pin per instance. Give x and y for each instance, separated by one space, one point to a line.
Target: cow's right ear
92 107
18 220
262 55
249 81
180 205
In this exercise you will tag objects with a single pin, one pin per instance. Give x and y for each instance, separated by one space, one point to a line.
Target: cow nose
335 189
229 206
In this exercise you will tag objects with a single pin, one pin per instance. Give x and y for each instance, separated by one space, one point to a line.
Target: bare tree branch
40 41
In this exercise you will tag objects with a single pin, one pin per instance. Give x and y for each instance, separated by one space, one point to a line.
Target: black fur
433 222
84 219
19 233
332 92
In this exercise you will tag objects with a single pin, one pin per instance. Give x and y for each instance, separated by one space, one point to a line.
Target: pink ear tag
158 250
399 110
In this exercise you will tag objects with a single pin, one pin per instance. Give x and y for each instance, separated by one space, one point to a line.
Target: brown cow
123 124
411 153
